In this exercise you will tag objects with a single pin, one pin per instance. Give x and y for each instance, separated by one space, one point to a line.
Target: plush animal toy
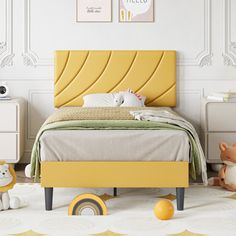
7 181
117 99
227 174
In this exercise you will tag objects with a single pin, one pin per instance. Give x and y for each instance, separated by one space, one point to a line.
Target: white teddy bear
7 181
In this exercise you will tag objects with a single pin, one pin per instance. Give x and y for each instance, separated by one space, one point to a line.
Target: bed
151 73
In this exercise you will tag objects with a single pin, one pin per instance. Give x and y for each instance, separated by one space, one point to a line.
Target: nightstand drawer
214 139
8 117
221 116
8 146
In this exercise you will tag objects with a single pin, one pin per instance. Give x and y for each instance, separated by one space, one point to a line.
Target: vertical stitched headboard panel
149 73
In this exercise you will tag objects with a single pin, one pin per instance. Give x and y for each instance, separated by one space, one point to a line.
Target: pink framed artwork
94 11
136 10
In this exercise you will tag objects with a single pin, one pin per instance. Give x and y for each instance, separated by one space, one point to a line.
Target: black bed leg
48 198
115 192
180 198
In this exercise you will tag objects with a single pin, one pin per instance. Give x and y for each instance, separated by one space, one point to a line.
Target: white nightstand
11 130
218 123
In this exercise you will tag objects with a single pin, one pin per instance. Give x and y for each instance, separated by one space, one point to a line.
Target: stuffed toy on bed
227 174
119 99
7 182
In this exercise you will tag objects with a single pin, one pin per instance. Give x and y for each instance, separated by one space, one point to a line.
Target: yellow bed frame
150 73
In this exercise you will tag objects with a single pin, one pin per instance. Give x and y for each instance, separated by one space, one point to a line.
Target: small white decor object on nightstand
11 130
218 122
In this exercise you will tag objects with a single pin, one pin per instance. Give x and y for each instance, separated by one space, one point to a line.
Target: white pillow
120 99
100 100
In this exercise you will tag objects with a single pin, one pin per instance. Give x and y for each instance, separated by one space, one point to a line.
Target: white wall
202 31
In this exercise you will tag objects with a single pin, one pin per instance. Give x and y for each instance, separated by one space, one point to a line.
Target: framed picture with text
94 10
136 10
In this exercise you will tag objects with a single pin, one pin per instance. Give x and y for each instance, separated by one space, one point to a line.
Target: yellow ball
164 210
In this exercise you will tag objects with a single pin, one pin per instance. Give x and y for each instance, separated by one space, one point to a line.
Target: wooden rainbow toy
87 204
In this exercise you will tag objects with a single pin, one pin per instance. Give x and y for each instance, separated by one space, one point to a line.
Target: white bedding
114 145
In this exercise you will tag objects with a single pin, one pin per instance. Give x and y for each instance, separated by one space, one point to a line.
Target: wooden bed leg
48 198
115 192
180 198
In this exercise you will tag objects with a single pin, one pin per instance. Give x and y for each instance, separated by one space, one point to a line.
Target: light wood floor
20 174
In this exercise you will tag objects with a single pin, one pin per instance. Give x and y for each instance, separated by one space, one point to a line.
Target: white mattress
114 145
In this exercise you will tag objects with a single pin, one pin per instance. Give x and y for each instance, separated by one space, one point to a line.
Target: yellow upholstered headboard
149 73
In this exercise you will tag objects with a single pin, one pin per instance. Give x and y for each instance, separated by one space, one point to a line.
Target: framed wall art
136 10
94 11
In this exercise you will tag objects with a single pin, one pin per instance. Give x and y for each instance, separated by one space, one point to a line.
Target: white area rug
207 212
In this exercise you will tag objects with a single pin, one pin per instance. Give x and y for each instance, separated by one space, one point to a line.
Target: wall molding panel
229 53
30 57
34 96
185 99
204 57
6 46
38 110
